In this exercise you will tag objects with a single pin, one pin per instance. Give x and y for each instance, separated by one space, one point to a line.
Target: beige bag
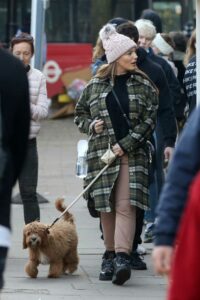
108 157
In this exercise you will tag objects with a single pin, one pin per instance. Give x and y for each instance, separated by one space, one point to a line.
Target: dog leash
85 190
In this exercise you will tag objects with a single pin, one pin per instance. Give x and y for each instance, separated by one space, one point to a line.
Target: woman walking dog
119 106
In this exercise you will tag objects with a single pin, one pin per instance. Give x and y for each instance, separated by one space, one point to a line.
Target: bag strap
121 109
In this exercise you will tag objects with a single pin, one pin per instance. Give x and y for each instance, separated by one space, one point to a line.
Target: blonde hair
107 71
191 48
146 28
98 50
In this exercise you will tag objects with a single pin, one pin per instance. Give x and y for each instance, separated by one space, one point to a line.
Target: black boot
107 268
3 255
137 262
122 268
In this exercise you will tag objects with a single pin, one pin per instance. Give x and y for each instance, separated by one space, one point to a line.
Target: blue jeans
28 183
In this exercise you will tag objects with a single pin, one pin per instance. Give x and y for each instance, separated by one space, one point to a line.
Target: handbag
108 157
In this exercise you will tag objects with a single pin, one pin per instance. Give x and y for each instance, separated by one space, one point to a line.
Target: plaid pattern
142 113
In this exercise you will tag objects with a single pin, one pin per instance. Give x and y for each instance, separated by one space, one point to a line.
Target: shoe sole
105 278
150 240
138 268
121 276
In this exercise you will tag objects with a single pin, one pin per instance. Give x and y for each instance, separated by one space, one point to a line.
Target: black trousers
28 183
3 256
138 229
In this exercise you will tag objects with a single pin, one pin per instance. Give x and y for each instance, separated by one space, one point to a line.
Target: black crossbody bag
149 147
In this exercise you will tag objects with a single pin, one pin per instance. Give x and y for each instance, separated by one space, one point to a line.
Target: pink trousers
119 225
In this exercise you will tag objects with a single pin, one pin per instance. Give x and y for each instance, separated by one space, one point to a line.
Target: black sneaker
137 262
122 268
107 266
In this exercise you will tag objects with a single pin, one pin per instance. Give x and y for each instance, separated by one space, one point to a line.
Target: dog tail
59 204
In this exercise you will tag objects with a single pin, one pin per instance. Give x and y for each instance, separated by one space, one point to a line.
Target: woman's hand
98 126
117 150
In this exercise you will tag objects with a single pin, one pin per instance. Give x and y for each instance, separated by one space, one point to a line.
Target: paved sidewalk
57 155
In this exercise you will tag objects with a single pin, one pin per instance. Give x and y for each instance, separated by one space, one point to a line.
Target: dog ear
24 241
47 230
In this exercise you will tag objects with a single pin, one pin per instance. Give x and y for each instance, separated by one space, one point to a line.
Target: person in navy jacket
183 168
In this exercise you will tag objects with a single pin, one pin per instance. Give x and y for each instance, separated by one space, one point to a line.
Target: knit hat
115 44
160 43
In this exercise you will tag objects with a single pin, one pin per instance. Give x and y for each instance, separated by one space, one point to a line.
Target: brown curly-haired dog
56 246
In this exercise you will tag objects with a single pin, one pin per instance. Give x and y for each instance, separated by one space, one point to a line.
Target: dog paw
53 275
31 271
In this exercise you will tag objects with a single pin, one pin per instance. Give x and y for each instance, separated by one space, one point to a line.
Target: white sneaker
141 250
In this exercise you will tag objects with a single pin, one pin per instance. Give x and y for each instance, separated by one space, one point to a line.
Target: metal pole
37 31
198 50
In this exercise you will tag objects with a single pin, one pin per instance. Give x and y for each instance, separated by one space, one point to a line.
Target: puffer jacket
143 104
39 102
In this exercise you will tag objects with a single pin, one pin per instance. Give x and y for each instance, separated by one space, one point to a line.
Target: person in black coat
166 120
15 118
147 33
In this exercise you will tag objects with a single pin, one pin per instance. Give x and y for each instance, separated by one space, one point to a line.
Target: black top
119 123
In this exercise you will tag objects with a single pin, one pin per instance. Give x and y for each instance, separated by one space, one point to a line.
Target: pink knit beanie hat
115 44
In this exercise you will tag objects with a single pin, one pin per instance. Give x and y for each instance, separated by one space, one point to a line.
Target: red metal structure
63 60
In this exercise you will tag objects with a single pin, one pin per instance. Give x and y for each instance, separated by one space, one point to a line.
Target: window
68 21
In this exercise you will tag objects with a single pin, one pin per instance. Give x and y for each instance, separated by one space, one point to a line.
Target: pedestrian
147 33
165 118
177 254
180 42
22 46
124 186
163 45
191 48
153 16
189 80
14 130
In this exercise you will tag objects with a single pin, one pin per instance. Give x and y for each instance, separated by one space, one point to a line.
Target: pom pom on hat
106 32
115 44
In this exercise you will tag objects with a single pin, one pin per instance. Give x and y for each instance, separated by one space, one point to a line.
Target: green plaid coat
143 104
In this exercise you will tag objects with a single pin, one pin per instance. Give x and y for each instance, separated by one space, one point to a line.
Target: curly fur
56 246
